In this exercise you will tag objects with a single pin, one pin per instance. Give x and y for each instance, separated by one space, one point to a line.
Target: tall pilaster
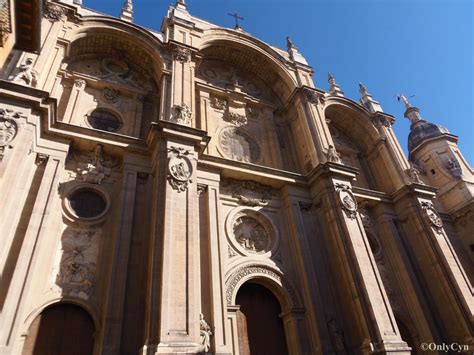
359 291
173 307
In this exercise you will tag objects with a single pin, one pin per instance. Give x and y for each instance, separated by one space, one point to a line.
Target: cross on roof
237 18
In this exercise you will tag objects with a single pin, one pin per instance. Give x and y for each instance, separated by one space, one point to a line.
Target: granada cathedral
190 190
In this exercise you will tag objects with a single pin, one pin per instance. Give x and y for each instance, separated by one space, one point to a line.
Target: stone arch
96 25
61 328
270 63
360 128
269 277
86 306
111 66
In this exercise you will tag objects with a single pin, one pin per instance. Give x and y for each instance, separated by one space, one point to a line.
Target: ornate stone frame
71 216
264 221
269 276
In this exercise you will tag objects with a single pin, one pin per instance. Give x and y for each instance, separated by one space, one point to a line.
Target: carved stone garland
248 193
432 216
53 12
180 168
8 128
347 199
79 251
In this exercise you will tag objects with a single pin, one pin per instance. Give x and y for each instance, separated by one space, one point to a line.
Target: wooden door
260 327
62 329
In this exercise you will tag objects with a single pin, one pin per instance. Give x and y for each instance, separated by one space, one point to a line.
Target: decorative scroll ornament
8 128
332 155
182 54
111 95
180 168
314 97
97 167
80 83
182 114
247 192
348 201
379 121
236 118
53 12
27 75
205 333
432 215
76 275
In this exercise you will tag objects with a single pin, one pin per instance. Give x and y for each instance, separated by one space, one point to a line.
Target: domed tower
434 150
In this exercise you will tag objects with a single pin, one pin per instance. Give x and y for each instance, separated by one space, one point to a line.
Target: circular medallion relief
251 233
236 144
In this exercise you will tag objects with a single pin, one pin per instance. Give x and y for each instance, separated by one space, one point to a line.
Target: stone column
174 277
118 281
364 307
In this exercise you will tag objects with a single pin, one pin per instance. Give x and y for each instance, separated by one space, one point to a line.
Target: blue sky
418 47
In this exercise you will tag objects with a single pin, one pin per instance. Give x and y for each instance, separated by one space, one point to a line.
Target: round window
87 203
104 120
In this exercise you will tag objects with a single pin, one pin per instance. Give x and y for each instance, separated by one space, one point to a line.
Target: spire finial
412 113
363 89
127 11
334 89
289 43
403 98
181 3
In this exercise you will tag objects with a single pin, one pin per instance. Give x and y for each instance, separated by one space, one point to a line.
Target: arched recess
360 143
289 300
243 87
259 324
110 66
61 328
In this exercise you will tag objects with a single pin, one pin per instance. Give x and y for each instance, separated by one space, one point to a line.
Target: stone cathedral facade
192 191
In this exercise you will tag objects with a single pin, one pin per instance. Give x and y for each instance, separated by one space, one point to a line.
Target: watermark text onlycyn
453 347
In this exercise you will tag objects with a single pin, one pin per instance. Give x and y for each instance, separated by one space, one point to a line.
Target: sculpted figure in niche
332 155
250 234
27 74
180 171
205 332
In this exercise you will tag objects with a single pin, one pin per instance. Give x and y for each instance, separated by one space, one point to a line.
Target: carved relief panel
74 272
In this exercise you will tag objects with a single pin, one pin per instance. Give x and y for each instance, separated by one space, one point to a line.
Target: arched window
104 120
